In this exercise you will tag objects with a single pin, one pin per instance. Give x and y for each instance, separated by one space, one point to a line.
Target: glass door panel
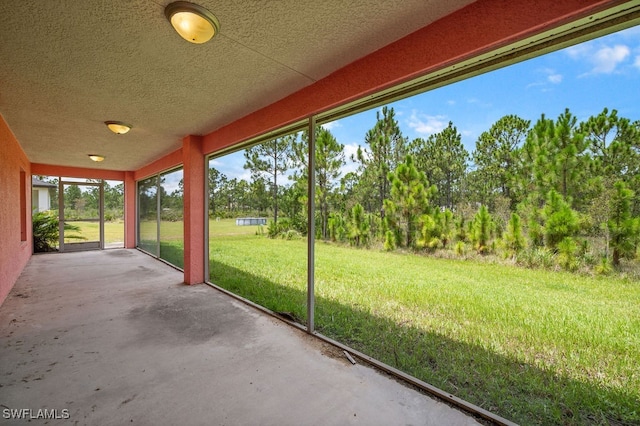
81 226
148 215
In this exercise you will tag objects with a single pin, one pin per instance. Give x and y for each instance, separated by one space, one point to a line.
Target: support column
130 218
194 209
311 223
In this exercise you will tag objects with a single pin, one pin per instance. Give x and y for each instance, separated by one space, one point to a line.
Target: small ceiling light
118 127
194 23
97 158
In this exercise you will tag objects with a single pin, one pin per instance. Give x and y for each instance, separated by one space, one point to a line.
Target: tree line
84 203
557 187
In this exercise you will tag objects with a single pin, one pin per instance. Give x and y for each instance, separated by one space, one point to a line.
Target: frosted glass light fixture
118 127
194 23
96 157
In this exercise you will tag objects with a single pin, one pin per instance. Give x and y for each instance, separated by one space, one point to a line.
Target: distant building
40 195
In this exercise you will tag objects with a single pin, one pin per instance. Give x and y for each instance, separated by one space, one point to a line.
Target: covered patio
114 336
132 344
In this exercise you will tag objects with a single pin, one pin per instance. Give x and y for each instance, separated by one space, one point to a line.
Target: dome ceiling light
194 23
96 157
118 127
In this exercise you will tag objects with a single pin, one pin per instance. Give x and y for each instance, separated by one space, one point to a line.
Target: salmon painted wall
167 162
76 172
194 207
129 210
15 246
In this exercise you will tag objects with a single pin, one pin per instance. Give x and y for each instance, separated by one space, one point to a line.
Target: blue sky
585 78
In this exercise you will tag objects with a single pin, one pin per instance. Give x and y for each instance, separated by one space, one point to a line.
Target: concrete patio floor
114 337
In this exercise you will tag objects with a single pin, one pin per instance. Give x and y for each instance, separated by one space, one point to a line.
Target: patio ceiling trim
76 172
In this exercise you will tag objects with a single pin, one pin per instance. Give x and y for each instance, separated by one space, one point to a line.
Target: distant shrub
513 238
290 234
284 228
567 254
170 215
536 257
604 267
337 227
482 231
390 241
46 231
272 229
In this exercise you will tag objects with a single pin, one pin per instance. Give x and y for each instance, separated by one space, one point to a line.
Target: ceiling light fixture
194 23
97 158
118 127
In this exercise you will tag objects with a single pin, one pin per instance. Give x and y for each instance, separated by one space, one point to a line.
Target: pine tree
513 238
329 158
482 230
494 156
560 220
554 157
568 157
270 160
615 149
621 225
217 182
337 227
358 226
446 227
386 147
567 253
443 158
408 200
429 233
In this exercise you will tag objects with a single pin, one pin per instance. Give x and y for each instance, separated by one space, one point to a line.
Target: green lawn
171 240
113 231
171 244
534 346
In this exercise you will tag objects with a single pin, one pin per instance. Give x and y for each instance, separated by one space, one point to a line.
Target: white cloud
607 58
451 102
331 125
426 124
637 62
172 181
351 149
550 76
602 59
579 51
245 175
555 78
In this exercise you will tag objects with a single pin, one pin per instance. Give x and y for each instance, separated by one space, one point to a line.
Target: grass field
113 231
171 240
535 346
171 243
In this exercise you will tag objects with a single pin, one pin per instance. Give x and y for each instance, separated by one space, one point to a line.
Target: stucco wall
14 253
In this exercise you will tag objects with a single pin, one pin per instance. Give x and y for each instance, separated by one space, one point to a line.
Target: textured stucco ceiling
67 66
